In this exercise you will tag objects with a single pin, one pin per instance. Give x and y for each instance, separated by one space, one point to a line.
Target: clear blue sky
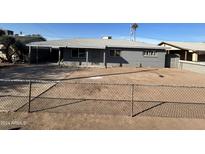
146 32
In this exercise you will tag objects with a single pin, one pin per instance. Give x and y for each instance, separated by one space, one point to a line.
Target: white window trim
149 55
78 54
114 51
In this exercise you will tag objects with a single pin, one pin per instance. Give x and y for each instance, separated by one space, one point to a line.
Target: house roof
94 43
194 46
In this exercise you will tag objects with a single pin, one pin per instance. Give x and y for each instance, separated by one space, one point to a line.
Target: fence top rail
139 85
171 86
191 62
27 81
101 83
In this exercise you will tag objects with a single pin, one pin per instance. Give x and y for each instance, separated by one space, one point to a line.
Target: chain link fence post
132 99
29 97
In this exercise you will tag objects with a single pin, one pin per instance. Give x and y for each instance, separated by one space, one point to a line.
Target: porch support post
29 55
50 49
104 58
87 58
59 56
37 54
185 55
194 56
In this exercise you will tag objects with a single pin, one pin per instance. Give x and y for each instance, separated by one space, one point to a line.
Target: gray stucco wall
129 57
135 58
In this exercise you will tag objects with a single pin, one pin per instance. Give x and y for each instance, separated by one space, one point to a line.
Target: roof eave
138 47
45 46
175 46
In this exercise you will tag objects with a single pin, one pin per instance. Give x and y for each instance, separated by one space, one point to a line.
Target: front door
95 57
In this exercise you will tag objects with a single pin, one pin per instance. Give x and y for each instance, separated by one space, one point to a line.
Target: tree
20 49
29 38
7 41
134 27
16 46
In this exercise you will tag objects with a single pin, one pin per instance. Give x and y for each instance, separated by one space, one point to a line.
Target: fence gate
172 60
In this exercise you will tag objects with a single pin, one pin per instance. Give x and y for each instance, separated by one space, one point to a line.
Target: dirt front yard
122 75
110 75
14 94
77 97
64 121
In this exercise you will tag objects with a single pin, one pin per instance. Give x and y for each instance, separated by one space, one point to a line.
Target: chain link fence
102 98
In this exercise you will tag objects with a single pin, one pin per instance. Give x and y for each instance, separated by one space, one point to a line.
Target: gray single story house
97 52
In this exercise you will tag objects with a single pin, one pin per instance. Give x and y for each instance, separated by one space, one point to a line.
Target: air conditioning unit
107 37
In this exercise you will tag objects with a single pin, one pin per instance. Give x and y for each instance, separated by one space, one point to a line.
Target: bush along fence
102 98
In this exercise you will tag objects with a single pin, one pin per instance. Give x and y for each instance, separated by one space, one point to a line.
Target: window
81 53
74 53
115 53
78 53
150 53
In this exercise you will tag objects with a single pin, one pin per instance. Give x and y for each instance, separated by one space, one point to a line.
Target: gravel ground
89 114
122 75
65 121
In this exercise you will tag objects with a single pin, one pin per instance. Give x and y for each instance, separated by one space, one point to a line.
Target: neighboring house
189 51
8 32
98 52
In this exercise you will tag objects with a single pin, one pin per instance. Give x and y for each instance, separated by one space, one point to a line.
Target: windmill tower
133 28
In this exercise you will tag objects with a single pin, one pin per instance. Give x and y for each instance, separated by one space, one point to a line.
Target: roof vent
107 37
